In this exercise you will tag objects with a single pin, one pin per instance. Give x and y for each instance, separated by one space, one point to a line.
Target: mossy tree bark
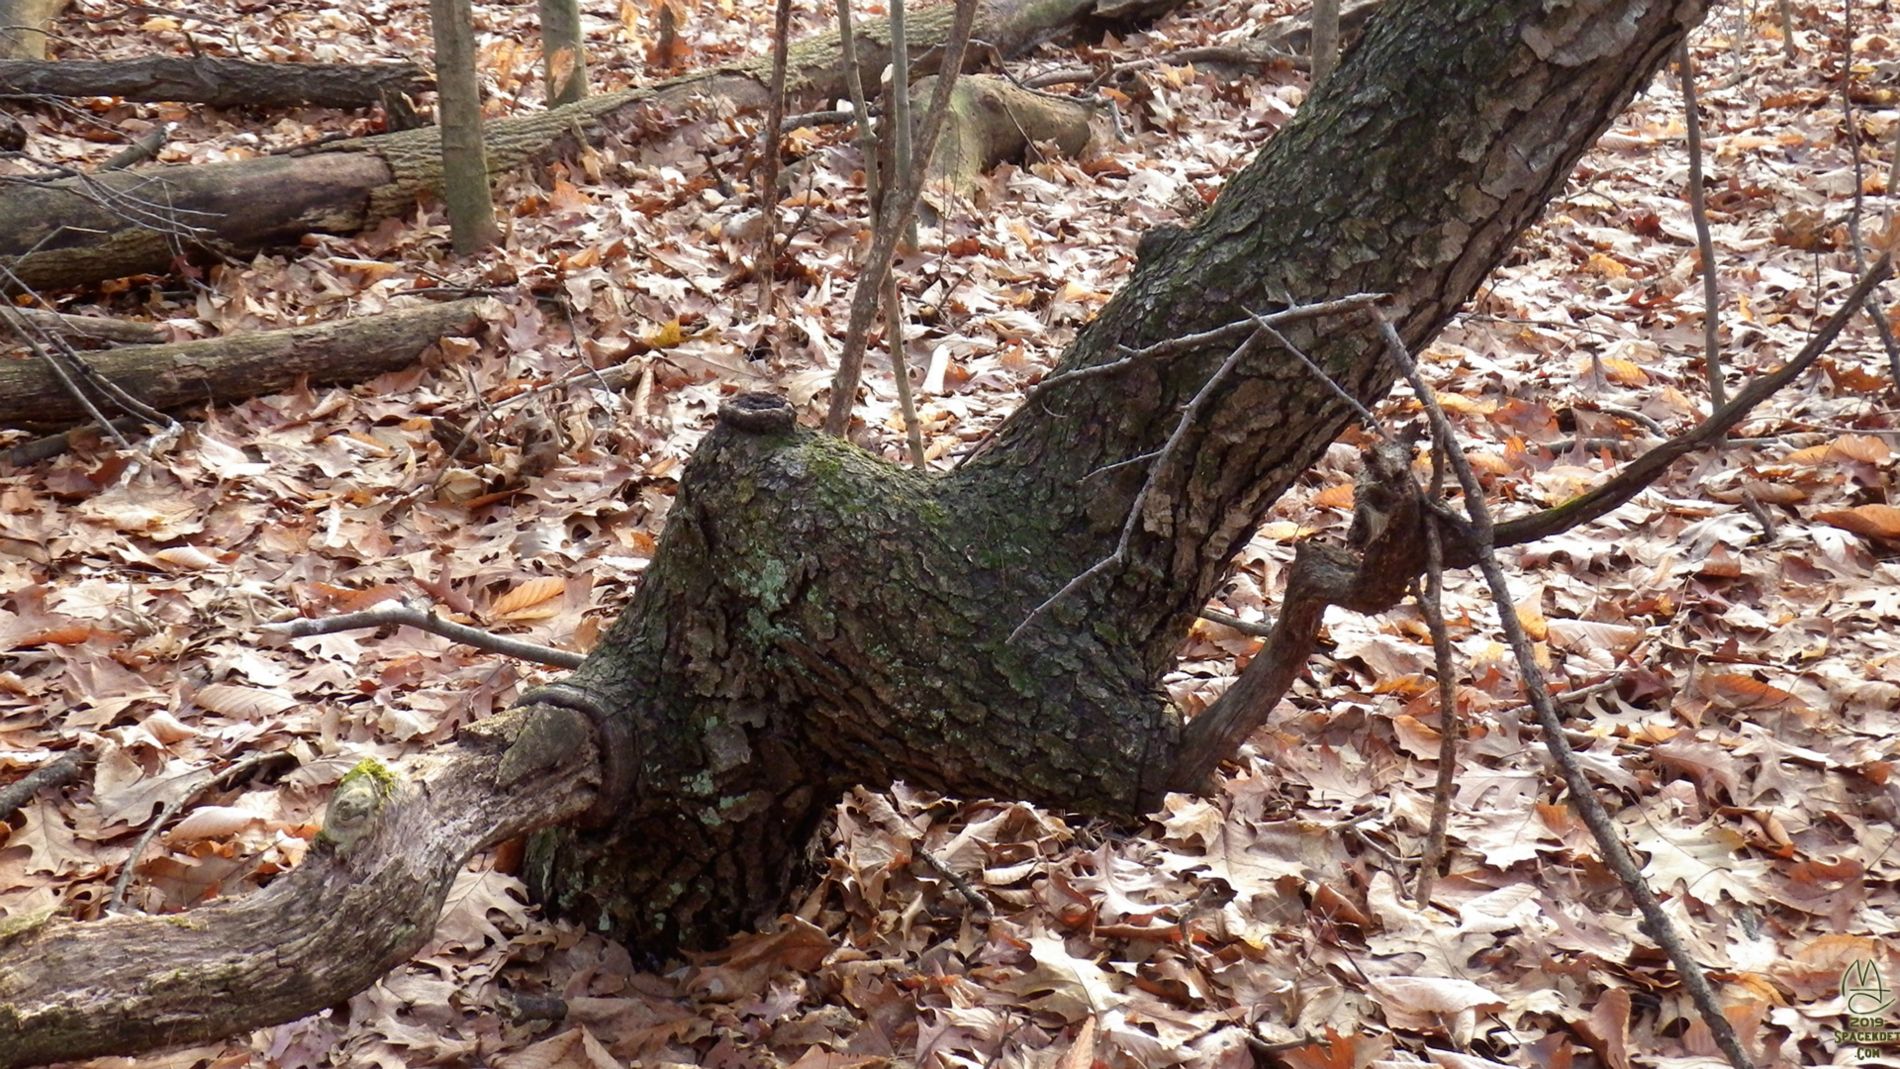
815 617
818 618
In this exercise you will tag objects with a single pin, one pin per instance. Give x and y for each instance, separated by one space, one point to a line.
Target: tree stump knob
757 413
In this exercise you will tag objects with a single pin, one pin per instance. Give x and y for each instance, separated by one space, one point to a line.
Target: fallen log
238 366
84 332
86 228
214 80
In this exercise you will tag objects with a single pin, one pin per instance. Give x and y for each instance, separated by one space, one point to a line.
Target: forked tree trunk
815 617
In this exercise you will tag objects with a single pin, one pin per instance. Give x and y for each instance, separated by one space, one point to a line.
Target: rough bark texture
24 27
815 615
214 80
71 990
85 332
458 111
563 51
237 366
80 230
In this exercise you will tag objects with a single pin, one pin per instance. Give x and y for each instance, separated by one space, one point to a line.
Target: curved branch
424 620
366 898
1644 470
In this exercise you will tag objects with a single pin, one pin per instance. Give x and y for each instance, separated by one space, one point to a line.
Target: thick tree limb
357 906
238 366
214 80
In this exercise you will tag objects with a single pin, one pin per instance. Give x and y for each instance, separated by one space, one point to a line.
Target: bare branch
1480 534
906 186
410 616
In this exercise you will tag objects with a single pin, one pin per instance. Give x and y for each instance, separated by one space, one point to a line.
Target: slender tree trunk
1325 38
564 51
459 113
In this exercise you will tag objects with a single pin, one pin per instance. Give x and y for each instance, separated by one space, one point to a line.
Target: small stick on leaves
1479 532
1705 244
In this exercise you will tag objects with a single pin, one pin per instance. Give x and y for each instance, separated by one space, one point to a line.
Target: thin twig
1705 243
900 368
906 185
769 136
1158 466
1239 328
410 616
860 107
1431 605
1251 628
55 773
172 808
1583 798
1644 470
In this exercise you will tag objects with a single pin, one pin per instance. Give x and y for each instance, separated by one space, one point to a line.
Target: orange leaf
525 601
1868 521
1338 496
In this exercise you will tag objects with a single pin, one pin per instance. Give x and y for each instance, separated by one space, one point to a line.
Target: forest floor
1739 617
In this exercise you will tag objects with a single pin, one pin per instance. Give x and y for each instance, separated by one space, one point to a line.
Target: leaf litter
1743 606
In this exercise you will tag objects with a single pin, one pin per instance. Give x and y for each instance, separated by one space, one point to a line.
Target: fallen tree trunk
214 80
26 27
78 230
237 366
86 332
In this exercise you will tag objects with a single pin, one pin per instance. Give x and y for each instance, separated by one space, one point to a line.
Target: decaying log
84 332
79 230
214 80
238 366
991 120
366 898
